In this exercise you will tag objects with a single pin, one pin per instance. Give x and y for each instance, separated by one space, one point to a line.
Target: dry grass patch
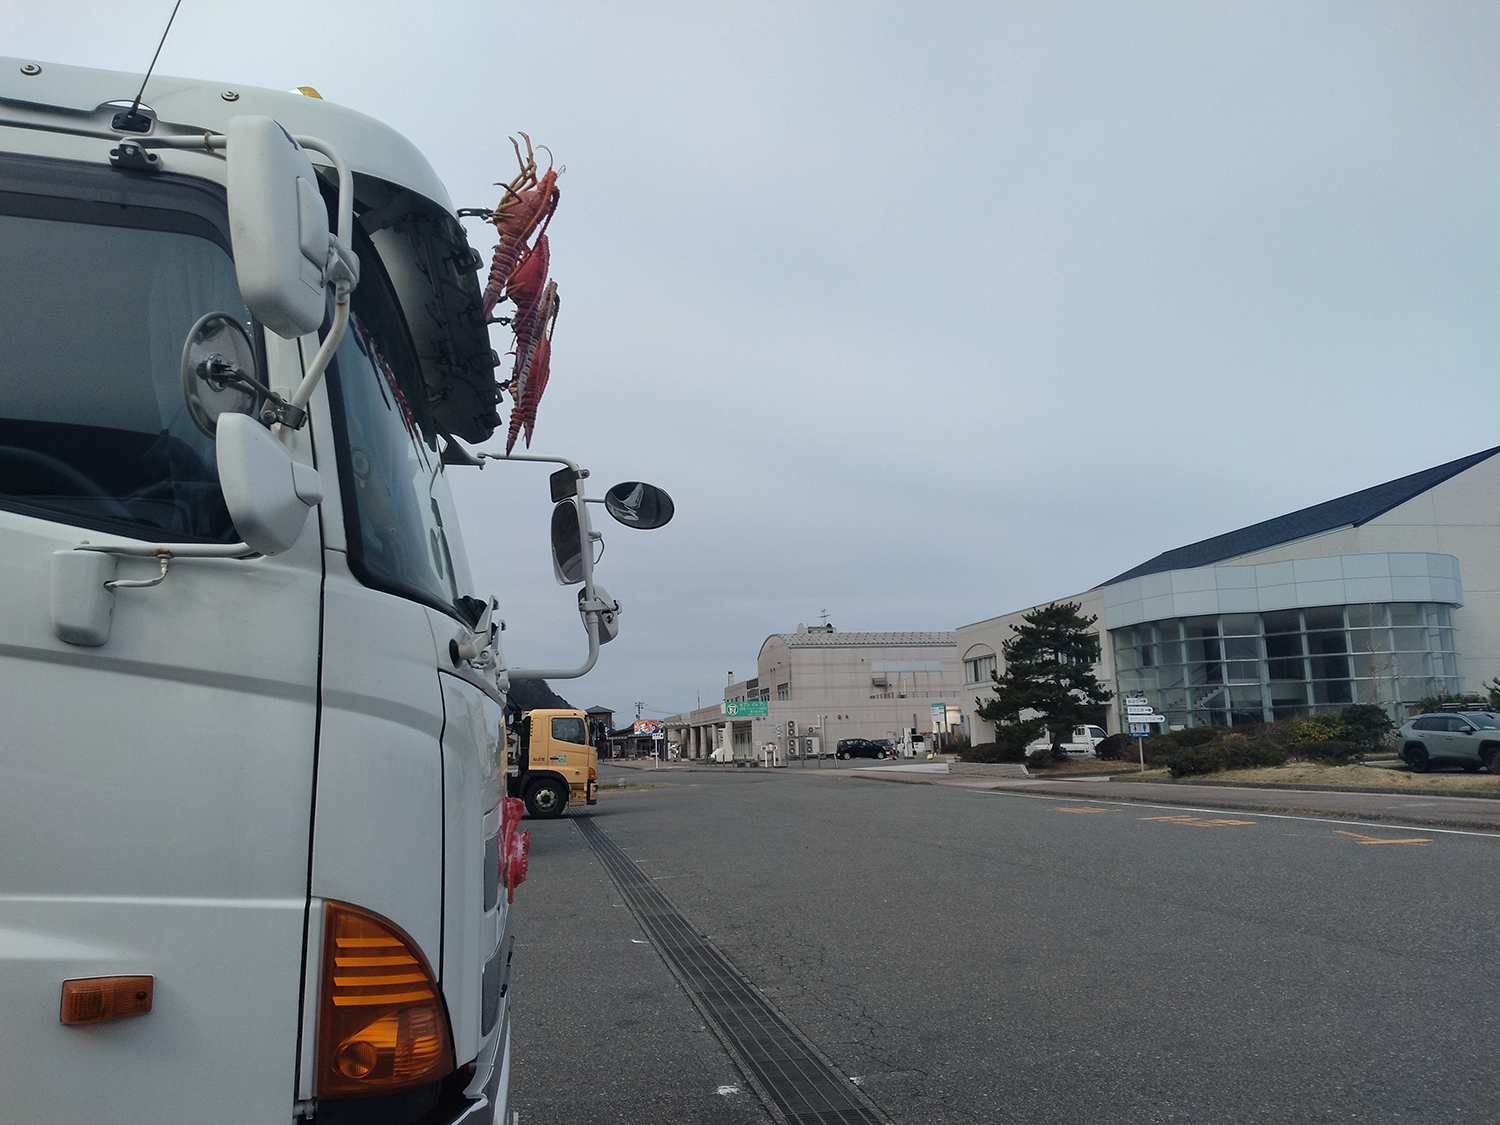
1452 782
610 787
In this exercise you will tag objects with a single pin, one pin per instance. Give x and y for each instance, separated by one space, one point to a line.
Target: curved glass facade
1237 668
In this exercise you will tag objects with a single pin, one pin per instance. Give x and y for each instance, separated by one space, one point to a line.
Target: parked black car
861 748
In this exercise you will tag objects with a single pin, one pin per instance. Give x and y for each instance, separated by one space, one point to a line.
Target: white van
253 855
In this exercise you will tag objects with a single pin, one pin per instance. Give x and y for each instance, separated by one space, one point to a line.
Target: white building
1387 595
843 685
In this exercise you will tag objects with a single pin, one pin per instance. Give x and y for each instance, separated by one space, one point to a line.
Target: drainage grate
792 1077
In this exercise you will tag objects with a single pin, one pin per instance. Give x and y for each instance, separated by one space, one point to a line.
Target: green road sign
747 709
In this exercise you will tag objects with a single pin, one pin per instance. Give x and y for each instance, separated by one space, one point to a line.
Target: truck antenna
130 121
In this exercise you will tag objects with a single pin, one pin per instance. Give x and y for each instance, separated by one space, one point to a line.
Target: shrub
1193 736
1435 702
991 752
1334 751
955 742
1203 758
1042 758
1113 748
1249 753
1365 724
1157 749
1322 727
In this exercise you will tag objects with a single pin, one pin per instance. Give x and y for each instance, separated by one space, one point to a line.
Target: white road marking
1242 812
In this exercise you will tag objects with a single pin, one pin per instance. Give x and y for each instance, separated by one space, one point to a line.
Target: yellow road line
1381 840
1062 809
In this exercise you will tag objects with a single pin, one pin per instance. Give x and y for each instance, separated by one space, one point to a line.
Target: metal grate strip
793 1078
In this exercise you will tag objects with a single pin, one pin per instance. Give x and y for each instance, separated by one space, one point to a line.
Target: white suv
1463 738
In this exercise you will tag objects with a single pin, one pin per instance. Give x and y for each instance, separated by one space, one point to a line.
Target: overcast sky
924 313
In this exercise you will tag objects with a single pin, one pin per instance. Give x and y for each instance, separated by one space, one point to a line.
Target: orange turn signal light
96 999
382 1025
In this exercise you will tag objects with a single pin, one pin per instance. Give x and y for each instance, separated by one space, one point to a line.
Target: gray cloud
924 313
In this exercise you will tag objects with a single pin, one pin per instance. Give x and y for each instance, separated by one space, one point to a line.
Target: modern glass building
1389 595
1237 668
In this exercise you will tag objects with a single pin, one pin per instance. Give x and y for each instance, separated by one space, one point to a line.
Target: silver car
1461 738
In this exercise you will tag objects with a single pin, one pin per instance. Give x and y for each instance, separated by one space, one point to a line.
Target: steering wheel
60 468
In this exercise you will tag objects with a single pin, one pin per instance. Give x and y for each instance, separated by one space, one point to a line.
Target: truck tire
546 799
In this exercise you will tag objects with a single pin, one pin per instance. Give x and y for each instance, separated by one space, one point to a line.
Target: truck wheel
546 799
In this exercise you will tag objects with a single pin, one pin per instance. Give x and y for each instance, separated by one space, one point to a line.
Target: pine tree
1049 671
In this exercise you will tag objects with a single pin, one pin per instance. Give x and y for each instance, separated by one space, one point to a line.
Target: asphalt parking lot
971 954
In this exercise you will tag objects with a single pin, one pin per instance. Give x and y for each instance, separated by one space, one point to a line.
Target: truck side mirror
267 492
567 544
278 226
636 504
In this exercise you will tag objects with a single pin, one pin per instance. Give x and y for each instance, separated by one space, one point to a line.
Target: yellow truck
552 765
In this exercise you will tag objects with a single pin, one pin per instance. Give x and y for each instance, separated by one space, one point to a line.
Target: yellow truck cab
552 765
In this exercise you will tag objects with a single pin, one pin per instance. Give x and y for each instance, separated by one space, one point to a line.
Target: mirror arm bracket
330 345
582 473
275 410
342 268
591 617
172 550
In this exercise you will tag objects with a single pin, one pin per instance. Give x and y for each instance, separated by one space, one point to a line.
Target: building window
1242 668
783 691
979 670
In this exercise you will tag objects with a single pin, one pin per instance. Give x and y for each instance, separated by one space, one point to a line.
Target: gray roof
821 639
1347 511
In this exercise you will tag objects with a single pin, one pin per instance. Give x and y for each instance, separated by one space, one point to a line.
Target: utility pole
639 703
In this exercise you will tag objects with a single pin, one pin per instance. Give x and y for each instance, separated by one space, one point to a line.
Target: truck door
154 789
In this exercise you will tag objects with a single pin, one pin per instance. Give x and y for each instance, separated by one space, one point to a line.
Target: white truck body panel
252 738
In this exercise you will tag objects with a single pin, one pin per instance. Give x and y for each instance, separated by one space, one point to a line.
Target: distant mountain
531 694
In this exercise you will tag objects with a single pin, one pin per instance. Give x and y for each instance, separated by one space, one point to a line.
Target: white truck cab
253 849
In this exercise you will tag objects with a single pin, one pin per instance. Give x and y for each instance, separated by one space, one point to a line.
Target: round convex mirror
217 347
639 505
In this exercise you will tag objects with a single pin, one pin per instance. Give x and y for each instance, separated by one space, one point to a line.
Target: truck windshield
96 300
394 492
569 729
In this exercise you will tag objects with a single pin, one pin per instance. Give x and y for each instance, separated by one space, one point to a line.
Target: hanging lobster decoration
519 272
